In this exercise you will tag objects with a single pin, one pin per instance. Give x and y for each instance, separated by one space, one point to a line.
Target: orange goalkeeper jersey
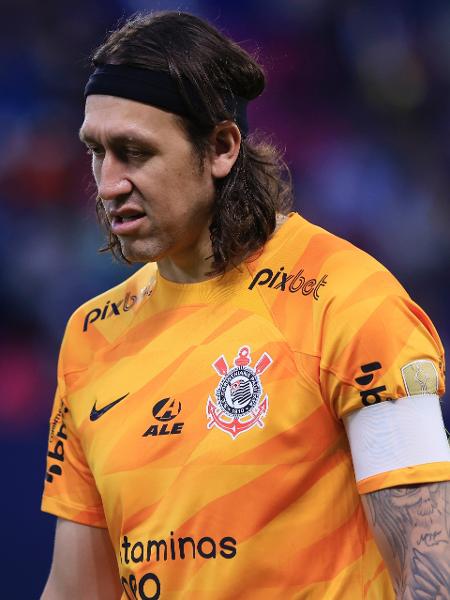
202 423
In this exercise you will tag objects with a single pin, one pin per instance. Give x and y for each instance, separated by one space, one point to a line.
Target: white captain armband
395 434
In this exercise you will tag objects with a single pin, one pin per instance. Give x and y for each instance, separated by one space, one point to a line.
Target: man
231 419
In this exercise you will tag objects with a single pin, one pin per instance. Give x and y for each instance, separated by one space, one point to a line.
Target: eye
135 153
94 151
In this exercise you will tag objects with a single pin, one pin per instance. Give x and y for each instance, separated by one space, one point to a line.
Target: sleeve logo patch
420 377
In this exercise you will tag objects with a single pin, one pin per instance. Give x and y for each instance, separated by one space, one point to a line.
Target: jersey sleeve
377 346
69 490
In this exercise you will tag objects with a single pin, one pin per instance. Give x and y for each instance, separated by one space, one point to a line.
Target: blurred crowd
358 96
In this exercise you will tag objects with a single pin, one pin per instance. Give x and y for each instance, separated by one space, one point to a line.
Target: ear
225 142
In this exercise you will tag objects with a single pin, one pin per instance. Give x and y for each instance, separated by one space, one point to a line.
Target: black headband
159 89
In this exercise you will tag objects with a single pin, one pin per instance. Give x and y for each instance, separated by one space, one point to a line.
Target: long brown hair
259 184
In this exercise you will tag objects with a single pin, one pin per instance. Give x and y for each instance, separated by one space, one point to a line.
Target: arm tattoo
412 526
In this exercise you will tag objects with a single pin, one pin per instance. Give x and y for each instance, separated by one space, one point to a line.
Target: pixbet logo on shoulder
297 282
115 309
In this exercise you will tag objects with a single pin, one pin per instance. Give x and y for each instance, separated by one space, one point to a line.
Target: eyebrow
118 138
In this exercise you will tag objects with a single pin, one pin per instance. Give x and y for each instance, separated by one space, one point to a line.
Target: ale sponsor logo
289 282
165 411
240 403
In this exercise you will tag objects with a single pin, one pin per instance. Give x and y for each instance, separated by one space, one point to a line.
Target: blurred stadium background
358 95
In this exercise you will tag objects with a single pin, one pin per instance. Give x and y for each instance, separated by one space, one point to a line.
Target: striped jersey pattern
202 423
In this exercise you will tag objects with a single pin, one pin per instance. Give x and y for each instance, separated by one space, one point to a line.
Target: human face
156 195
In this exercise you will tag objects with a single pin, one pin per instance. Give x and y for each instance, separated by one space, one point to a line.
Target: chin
136 252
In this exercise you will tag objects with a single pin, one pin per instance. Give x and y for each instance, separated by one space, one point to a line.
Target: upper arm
411 525
84 564
376 346
394 444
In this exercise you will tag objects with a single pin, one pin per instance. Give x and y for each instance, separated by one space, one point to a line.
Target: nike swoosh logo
96 414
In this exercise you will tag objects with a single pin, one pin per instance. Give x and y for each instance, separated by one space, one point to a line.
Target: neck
193 266
184 273
189 265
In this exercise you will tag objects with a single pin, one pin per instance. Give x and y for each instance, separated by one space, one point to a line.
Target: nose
111 178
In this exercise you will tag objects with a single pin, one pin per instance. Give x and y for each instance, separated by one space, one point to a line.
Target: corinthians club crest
239 406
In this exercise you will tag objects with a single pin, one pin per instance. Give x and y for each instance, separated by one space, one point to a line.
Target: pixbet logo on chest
297 282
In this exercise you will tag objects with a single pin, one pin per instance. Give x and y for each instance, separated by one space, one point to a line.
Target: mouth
127 224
